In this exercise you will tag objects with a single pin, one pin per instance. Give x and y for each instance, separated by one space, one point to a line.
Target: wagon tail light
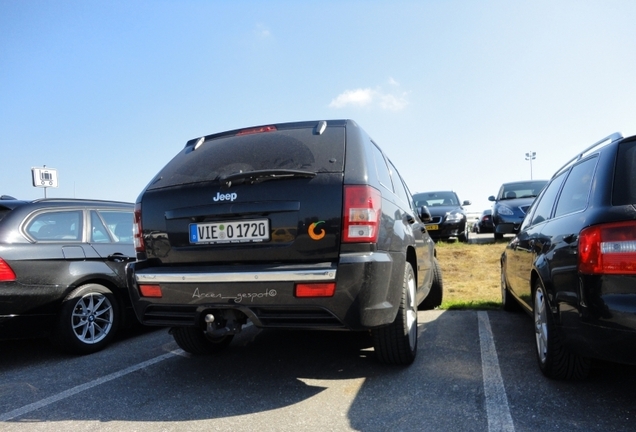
361 214
6 272
608 249
137 237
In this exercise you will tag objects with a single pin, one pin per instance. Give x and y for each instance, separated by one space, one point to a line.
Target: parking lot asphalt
475 371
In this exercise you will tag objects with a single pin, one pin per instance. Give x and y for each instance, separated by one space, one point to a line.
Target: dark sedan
62 271
447 212
572 265
512 203
483 224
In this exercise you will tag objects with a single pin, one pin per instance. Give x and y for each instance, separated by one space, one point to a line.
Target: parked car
483 224
511 204
62 271
447 213
572 265
354 256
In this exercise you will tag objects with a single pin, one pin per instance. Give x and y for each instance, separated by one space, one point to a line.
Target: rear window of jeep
294 149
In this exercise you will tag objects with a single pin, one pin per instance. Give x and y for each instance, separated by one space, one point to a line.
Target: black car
572 265
483 224
62 271
301 225
512 203
448 215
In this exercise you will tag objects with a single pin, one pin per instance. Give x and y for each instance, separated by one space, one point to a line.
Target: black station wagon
62 271
573 263
301 225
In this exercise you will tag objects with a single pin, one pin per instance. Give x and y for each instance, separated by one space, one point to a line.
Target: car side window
576 189
543 207
109 226
99 233
398 184
381 168
56 226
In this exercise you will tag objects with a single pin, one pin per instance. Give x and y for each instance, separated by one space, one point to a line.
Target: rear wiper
251 177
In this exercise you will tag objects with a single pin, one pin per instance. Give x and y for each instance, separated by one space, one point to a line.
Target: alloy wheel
92 318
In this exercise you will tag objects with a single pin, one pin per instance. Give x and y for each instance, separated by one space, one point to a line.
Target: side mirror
467 202
424 214
491 198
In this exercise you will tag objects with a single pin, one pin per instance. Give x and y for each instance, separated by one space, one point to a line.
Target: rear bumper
365 295
604 325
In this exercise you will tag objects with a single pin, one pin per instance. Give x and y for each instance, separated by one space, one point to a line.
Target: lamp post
530 156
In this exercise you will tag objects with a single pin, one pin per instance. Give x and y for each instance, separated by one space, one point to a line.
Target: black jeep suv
573 263
298 225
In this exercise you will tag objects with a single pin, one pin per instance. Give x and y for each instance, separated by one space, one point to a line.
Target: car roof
62 202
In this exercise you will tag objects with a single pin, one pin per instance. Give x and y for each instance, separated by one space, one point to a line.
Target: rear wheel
435 296
397 342
195 341
88 321
555 360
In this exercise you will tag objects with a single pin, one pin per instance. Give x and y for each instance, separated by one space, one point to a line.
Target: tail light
137 231
6 272
256 130
608 249
361 214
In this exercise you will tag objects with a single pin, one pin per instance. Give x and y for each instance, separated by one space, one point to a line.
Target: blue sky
455 92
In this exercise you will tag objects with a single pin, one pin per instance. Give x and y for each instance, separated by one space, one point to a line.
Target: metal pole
529 157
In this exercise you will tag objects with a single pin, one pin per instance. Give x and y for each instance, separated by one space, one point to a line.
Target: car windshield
432 199
529 189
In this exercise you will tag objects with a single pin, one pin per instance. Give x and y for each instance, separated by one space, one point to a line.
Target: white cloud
369 97
359 97
262 32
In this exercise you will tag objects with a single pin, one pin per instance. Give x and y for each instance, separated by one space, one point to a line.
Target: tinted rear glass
625 178
294 149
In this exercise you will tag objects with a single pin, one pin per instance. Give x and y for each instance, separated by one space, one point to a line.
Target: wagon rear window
625 175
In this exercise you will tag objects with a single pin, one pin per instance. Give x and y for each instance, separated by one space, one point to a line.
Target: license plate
249 231
432 227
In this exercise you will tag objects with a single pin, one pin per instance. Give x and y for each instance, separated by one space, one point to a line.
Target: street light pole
530 156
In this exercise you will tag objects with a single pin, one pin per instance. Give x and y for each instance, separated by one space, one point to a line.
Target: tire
397 342
435 296
555 360
195 341
508 302
88 320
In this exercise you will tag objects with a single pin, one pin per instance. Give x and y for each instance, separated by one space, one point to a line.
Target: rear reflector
6 272
257 130
150 291
608 249
361 213
316 289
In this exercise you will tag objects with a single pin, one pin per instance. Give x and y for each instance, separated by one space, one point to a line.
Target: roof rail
607 140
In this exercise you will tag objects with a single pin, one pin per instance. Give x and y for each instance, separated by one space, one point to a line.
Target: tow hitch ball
221 326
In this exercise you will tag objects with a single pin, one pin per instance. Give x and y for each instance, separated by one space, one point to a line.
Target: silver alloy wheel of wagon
92 318
541 324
